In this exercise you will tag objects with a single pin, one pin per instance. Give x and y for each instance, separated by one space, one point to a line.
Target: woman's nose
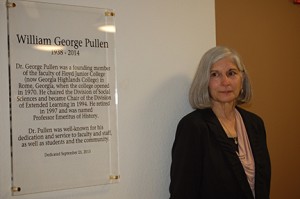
225 80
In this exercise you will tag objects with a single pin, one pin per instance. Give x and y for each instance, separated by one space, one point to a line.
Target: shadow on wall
164 107
168 103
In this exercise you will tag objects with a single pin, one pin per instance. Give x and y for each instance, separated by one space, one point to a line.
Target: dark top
205 164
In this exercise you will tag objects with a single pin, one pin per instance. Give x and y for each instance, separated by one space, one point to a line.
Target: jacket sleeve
263 178
186 161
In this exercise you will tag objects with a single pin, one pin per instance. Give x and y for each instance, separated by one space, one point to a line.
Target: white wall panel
158 47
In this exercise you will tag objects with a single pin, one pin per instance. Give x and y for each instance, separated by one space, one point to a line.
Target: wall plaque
63 96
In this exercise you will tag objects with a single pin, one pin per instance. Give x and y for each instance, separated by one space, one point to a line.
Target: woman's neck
226 116
225 111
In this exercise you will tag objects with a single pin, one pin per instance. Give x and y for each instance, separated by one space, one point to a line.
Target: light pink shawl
245 152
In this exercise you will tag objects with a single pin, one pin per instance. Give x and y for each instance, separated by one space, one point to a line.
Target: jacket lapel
253 135
228 149
251 129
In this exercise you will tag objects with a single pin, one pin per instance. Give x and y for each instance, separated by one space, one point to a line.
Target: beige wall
158 47
267 35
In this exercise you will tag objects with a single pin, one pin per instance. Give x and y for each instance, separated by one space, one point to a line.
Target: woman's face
225 81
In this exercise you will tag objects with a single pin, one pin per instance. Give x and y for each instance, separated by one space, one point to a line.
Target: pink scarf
245 152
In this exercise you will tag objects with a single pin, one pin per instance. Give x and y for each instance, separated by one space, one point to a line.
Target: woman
220 149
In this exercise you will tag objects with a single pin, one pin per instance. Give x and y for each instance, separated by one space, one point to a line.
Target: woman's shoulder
198 115
194 123
249 115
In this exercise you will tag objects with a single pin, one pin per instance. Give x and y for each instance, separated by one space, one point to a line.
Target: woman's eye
214 74
231 73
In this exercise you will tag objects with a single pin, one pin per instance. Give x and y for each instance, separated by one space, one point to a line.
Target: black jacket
205 164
